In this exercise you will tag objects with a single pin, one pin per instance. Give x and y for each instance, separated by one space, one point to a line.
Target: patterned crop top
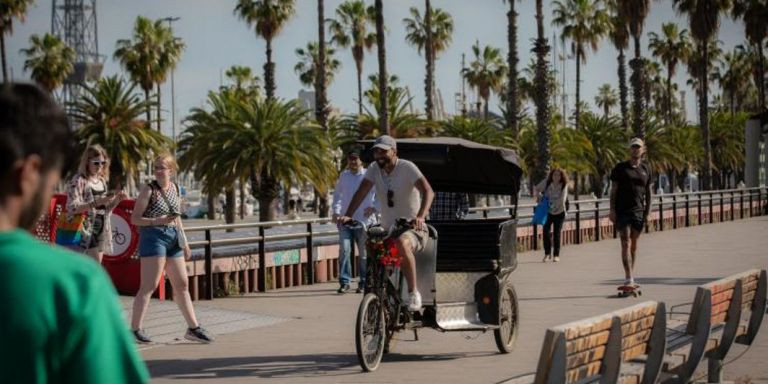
158 207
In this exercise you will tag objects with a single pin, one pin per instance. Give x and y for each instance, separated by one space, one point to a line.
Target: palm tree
50 60
605 149
350 29
108 113
10 9
245 83
382 56
704 19
268 17
755 13
477 130
486 73
584 24
321 81
619 35
606 98
168 57
140 56
309 59
418 35
272 136
513 99
201 145
403 122
728 146
634 13
543 134
671 47
733 76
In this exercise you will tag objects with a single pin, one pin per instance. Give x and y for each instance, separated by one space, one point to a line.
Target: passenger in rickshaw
403 192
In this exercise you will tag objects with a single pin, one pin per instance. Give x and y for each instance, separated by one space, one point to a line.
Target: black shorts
623 221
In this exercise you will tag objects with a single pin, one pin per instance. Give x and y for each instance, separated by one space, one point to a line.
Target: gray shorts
418 239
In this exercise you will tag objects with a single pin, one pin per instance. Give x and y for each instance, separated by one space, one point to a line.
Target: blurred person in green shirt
60 316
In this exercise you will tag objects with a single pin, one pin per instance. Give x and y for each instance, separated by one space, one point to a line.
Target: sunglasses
96 162
390 196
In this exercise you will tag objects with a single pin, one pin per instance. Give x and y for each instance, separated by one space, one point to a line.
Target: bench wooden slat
583 372
720 308
588 342
637 314
574 331
585 358
633 352
722 296
719 318
721 286
637 326
631 341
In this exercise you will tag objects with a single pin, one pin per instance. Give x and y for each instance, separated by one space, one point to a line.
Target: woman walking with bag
163 246
89 201
554 188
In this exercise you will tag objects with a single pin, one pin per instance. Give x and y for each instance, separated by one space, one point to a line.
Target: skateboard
629 290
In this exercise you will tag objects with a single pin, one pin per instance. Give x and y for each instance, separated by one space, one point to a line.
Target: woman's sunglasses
390 196
96 162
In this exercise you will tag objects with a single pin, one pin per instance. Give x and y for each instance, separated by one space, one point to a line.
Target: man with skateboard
630 206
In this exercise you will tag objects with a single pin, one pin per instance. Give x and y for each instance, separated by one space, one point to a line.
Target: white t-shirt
402 182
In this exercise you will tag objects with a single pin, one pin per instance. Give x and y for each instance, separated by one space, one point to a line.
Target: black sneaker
343 289
360 289
198 334
141 336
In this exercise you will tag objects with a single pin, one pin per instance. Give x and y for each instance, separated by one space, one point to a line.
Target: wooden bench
714 323
604 349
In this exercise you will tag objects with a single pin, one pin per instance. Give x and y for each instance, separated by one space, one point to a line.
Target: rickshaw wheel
370 332
506 335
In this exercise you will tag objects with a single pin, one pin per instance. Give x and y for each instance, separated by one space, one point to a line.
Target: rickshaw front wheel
370 332
506 334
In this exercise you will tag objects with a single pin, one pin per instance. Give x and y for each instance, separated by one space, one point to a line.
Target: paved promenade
306 334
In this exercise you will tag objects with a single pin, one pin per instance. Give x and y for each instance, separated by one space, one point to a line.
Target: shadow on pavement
314 365
559 297
663 281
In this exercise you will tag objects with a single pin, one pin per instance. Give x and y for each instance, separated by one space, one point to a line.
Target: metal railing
595 207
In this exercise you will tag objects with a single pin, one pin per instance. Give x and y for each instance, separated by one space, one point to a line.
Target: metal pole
733 216
535 233
674 211
750 204
722 207
262 281
661 213
310 256
741 204
711 215
597 221
698 204
578 223
208 266
687 210
170 21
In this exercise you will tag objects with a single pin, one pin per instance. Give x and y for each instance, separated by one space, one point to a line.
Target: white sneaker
414 304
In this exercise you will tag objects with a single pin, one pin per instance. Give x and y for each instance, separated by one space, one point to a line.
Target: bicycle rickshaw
464 272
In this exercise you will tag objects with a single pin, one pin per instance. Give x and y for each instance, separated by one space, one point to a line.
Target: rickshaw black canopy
457 165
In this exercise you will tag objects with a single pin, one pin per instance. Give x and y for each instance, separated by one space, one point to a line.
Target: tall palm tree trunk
668 101
704 117
541 48
485 108
159 118
512 64
429 80
267 189
269 73
359 66
148 112
241 185
211 200
321 100
577 116
761 79
229 212
382 53
623 90
638 95
2 50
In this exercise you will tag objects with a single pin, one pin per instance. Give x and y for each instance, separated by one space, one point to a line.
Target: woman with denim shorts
163 246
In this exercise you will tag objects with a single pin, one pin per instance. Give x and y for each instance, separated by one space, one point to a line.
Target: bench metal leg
715 370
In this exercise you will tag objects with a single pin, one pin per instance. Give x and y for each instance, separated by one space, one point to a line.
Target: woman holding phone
163 246
87 193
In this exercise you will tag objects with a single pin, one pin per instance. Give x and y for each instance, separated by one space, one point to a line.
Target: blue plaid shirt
449 206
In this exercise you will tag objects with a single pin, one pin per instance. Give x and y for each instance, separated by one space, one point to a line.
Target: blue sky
217 39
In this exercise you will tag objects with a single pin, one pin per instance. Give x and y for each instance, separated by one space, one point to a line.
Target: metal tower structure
74 22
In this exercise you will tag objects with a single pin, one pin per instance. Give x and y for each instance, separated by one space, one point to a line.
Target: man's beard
382 162
31 214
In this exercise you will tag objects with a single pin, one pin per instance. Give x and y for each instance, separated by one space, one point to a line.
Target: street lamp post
170 21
